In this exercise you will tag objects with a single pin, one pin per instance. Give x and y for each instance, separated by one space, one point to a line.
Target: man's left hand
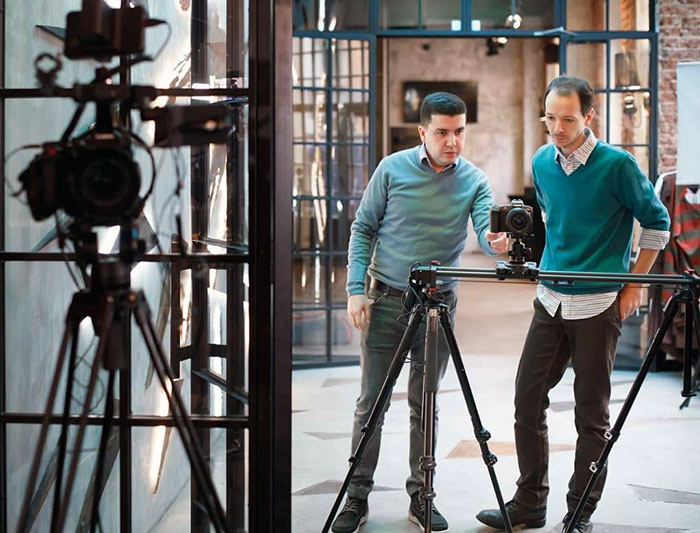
630 298
498 242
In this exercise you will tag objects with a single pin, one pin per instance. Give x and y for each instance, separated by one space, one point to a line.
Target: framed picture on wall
415 91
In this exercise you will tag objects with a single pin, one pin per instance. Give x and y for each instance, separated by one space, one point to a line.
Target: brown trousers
551 343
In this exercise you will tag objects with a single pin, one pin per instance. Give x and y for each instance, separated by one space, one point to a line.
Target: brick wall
679 41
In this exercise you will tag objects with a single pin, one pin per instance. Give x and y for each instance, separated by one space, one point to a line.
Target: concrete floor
654 478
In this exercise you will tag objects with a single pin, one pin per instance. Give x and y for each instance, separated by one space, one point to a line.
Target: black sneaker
351 517
584 524
416 514
530 517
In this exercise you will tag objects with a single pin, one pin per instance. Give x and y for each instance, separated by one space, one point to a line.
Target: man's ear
589 117
421 133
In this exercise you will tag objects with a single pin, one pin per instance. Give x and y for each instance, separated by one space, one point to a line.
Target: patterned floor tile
332 486
652 494
471 448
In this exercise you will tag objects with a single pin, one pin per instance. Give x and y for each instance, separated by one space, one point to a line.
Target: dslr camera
514 219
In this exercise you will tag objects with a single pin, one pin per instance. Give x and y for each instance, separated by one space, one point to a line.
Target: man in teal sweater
591 193
416 207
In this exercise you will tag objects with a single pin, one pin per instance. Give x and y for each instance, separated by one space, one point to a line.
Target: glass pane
599 117
629 15
351 116
585 15
350 64
340 226
309 116
339 274
309 224
587 60
347 15
21 441
39 27
350 169
398 14
330 15
629 118
173 65
342 216
629 63
309 170
309 62
309 280
346 339
493 14
162 479
34 330
309 333
442 14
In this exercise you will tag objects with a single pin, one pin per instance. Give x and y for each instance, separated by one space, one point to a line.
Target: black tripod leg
378 408
77 447
63 438
24 524
431 380
182 421
692 325
106 431
614 433
481 434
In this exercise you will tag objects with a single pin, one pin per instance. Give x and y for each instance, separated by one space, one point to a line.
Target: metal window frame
268 423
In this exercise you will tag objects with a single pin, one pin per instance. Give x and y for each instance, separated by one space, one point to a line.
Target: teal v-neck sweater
590 213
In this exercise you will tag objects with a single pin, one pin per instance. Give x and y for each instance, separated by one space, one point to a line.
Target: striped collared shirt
580 306
425 161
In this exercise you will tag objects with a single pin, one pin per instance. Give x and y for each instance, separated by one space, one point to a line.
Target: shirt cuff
654 239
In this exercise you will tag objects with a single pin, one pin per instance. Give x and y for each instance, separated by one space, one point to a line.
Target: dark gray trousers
551 342
379 344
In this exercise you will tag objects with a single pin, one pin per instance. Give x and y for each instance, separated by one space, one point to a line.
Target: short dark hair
441 104
567 85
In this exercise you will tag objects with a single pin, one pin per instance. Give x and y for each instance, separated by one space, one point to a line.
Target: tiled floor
654 480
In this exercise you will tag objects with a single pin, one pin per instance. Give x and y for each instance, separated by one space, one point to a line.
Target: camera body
93 180
514 219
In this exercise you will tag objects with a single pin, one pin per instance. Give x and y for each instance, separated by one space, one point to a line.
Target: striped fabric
574 306
683 252
579 156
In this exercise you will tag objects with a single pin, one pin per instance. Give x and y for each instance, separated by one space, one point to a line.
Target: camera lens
517 220
106 185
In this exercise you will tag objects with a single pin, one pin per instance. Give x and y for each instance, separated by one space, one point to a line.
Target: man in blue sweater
591 193
416 208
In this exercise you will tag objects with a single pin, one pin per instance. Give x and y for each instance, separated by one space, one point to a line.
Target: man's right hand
358 311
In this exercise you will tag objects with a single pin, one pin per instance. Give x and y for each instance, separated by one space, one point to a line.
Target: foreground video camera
515 218
93 177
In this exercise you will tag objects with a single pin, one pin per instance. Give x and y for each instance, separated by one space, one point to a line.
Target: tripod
426 302
687 295
109 302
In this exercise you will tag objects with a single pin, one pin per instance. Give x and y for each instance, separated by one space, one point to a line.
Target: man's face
443 139
564 120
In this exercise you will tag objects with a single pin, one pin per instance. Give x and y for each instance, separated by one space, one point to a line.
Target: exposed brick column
679 41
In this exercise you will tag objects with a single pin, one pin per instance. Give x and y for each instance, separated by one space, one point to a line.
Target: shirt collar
583 152
425 160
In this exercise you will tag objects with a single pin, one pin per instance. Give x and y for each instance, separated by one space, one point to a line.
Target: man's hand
630 298
358 311
498 242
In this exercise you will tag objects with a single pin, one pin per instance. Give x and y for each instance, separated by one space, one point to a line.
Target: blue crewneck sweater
416 215
590 213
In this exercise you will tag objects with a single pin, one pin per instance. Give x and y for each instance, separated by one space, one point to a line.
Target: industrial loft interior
346 266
